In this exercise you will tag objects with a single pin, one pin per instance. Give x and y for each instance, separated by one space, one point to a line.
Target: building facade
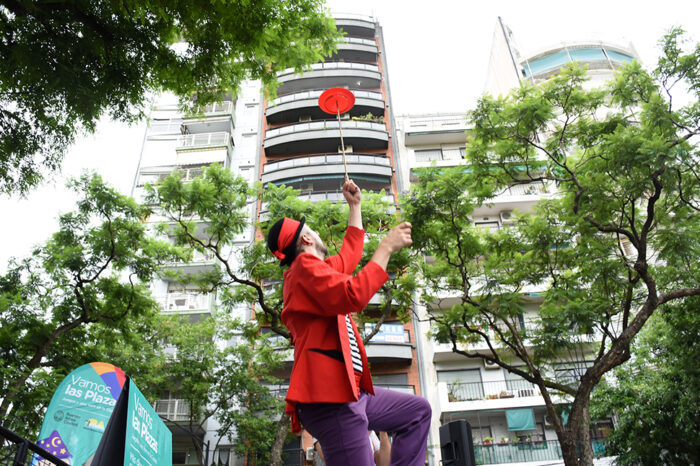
507 413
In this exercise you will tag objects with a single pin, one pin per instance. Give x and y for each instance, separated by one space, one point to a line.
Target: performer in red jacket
330 390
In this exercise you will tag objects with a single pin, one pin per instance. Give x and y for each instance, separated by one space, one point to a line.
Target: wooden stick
342 143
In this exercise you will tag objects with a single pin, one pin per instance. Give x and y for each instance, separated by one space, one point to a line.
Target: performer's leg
341 429
406 415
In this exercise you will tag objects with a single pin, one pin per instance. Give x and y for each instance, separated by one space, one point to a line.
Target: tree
208 213
66 63
619 241
657 417
79 298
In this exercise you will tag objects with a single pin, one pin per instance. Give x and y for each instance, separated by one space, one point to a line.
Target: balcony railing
334 66
322 126
173 409
190 141
315 94
197 258
180 302
215 108
527 189
325 160
520 452
469 391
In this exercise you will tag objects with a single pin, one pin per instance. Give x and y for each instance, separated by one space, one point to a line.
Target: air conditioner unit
490 365
348 149
548 420
506 217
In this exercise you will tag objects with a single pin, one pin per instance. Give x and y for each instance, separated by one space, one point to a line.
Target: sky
437 55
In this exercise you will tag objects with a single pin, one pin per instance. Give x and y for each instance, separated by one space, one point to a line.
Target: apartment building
507 413
301 148
228 133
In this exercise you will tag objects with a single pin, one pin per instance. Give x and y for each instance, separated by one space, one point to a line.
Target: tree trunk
278 445
567 440
584 436
575 438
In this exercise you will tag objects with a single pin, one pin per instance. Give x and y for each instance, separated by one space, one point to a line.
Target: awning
520 419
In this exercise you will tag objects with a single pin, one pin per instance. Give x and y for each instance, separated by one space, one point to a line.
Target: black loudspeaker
456 444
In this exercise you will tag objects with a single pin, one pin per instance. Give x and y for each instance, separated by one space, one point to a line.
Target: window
428 155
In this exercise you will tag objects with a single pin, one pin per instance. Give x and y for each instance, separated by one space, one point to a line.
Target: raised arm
353 196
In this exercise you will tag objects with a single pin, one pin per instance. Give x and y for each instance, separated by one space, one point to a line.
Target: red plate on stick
336 100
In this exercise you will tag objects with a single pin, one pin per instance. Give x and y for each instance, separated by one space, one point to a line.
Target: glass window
552 61
587 54
617 56
428 155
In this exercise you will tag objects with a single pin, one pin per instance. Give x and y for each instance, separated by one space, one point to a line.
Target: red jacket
317 294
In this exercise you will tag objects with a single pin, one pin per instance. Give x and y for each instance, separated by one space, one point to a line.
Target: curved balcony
356 25
326 166
355 49
596 55
324 136
291 107
325 75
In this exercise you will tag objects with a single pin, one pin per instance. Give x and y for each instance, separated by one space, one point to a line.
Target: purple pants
341 428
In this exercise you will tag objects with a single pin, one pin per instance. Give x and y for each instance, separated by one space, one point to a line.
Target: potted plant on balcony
504 440
488 440
506 394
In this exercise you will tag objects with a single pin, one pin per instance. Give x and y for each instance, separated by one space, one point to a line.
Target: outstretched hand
352 192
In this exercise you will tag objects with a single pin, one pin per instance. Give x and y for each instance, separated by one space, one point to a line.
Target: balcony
186 303
356 25
204 148
216 117
200 262
325 166
391 344
291 107
330 74
437 129
595 55
526 451
475 396
355 49
324 136
505 389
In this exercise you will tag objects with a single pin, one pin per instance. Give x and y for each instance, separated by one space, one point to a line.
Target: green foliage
66 63
653 395
620 239
78 299
219 203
